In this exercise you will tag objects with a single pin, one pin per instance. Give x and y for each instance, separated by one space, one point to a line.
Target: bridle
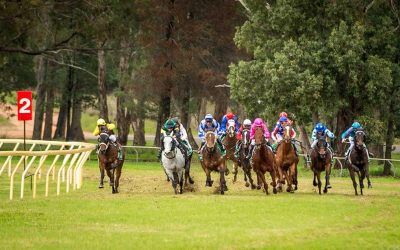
103 139
170 151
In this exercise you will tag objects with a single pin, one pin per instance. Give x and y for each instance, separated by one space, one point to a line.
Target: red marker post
24 101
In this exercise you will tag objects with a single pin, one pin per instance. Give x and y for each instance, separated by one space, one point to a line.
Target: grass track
147 215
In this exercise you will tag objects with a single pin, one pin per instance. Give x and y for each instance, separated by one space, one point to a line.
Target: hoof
258 187
225 188
191 181
329 186
226 172
247 184
253 186
295 188
101 186
314 184
325 190
274 191
369 185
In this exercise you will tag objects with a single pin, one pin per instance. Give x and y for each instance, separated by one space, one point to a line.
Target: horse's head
359 139
210 141
286 134
259 136
231 128
322 147
103 142
246 138
169 147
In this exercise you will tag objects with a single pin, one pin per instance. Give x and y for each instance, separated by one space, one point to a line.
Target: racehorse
212 160
243 161
109 162
263 160
321 161
287 160
173 162
229 142
357 162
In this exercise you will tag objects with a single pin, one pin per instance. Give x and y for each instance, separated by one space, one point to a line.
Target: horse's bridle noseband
173 148
103 139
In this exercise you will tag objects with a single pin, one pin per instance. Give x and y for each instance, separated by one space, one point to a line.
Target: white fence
69 169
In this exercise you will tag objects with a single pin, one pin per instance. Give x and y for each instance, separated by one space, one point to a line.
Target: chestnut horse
212 160
243 161
109 162
287 160
229 143
263 160
321 161
358 162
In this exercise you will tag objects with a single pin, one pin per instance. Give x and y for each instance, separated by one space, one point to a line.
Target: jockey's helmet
356 125
230 115
258 122
283 119
247 122
101 122
283 114
320 127
208 118
170 124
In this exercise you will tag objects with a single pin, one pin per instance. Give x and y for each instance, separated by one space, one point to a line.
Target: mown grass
146 214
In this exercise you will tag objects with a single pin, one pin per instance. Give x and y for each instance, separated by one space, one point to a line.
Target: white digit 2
23 109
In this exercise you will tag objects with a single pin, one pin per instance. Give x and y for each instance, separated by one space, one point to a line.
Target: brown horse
287 160
243 161
229 143
108 161
212 160
321 161
263 160
358 162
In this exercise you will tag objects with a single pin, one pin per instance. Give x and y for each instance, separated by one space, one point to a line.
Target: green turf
146 215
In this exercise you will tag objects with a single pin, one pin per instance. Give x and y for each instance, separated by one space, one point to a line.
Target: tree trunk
164 110
220 109
48 122
139 138
40 70
102 85
192 141
304 139
389 145
123 120
184 106
62 116
76 132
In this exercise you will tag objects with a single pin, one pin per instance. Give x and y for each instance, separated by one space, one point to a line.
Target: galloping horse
213 161
287 160
263 160
321 160
173 162
358 162
243 161
229 142
109 162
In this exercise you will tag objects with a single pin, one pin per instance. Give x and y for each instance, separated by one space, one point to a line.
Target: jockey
170 129
224 124
245 127
277 133
351 132
320 130
258 123
182 136
108 128
209 124
284 114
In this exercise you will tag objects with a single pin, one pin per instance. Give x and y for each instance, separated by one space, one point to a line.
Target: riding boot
119 152
221 146
160 151
250 152
295 149
237 149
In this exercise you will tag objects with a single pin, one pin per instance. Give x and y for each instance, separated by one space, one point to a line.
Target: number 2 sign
24 100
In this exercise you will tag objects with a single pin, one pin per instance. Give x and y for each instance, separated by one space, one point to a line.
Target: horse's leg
280 178
353 178
258 180
113 181
222 181
314 179
295 176
187 171
235 171
327 176
262 176
175 181
181 174
209 182
319 181
101 167
248 170
367 175
117 177
273 183
289 179
361 180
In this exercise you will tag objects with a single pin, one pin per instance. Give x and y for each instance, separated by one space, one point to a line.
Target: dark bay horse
243 161
321 161
108 161
229 143
213 161
263 160
358 162
287 160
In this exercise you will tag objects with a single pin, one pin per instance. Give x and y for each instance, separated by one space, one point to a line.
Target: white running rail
75 155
